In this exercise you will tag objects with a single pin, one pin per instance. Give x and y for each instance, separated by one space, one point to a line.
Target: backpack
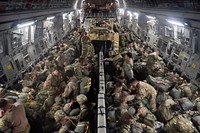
85 85
161 87
186 104
175 93
184 124
82 127
161 98
196 122
136 128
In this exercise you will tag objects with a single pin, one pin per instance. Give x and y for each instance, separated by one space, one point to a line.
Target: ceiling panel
100 2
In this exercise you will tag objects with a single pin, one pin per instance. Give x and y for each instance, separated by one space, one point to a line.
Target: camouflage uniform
164 110
78 68
132 51
185 90
26 82
53 86
71 90
32 109
154 64
121 110
197 103
128 69
127 35
85 40
69 55
179 124
39 77
122 42
131 34
137 127
59 115
115 57
13 122
147 117
136 46
145 90
117 94
82 100
56 106
85 46
90 51
41 95
49 65
124 124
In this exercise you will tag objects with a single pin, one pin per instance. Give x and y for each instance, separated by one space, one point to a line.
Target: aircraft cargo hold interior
109 66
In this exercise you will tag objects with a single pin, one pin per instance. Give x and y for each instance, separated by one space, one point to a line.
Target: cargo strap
85 125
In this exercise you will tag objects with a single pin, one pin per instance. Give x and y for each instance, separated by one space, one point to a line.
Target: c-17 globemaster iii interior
108 66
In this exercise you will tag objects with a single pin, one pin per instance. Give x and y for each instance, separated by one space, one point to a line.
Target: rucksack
136 128
196 122
161 98
175 93
186 104
163 86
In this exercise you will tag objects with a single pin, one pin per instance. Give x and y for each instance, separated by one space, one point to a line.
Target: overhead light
50 18
79 11
75 5
149 21
118 2
151 17
128 12
70 16
124 2
51 22
186 24
136 14
25 24
121 11
175 22
152 20
64 15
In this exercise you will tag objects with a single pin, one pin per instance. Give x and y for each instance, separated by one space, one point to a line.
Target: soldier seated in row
124 123
128 66
13 117
53 85
155 64
131 50
178 123
80 120
144 115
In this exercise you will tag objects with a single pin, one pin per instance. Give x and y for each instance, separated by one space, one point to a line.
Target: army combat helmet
81 99
59 115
